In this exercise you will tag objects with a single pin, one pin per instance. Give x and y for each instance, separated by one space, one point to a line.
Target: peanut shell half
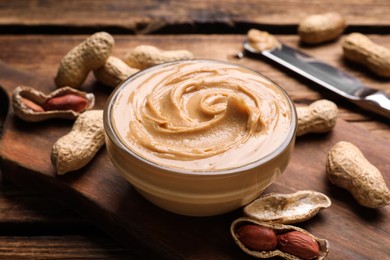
287 208
279 229
37 98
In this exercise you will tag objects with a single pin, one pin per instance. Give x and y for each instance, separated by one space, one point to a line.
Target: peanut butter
262 41
201 115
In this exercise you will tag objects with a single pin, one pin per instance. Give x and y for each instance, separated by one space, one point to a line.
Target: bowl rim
112 135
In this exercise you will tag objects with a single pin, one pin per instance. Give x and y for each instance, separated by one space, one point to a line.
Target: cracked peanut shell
280 229
24 99
287 208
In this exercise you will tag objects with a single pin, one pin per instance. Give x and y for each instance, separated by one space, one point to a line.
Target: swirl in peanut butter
201 115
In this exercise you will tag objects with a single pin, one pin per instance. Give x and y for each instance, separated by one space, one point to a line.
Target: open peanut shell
279 229
287 208
26 113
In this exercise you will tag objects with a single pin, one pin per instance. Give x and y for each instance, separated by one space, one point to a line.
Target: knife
328 77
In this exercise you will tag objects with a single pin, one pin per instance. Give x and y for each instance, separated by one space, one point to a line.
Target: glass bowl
190 184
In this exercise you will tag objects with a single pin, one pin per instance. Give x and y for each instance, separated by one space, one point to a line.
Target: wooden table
36 34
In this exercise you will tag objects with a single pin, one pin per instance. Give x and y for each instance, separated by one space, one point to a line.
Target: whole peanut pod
113 72
319 28
145 56
319 117
77 148
360 49
89 55
348 168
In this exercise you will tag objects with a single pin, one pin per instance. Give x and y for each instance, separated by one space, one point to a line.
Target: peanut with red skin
321 246
66 102
298 244
257 237
32 105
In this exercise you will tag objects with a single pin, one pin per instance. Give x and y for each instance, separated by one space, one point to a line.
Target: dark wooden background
34 35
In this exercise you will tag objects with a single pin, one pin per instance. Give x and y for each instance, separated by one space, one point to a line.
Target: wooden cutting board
100 194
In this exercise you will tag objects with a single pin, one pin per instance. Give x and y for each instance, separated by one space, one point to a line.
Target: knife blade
328 77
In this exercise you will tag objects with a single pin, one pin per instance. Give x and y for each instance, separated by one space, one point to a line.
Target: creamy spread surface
262 41
201 115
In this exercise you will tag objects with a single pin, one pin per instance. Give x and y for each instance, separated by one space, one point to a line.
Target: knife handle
378 102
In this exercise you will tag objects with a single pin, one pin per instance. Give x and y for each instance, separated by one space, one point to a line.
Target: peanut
145 56
66 102
291 242
77 148
32 105
321 28
113 72
299 244
318 117
347 168
360 49
88 55
257 237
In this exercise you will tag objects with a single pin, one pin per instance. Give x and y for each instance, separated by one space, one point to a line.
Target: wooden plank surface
41 55
182 16
29 165
36 226
95 246
27 217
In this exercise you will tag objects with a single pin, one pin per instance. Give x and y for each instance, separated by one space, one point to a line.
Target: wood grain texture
102 196
36 226
182 16
62 247
31 207
41 54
